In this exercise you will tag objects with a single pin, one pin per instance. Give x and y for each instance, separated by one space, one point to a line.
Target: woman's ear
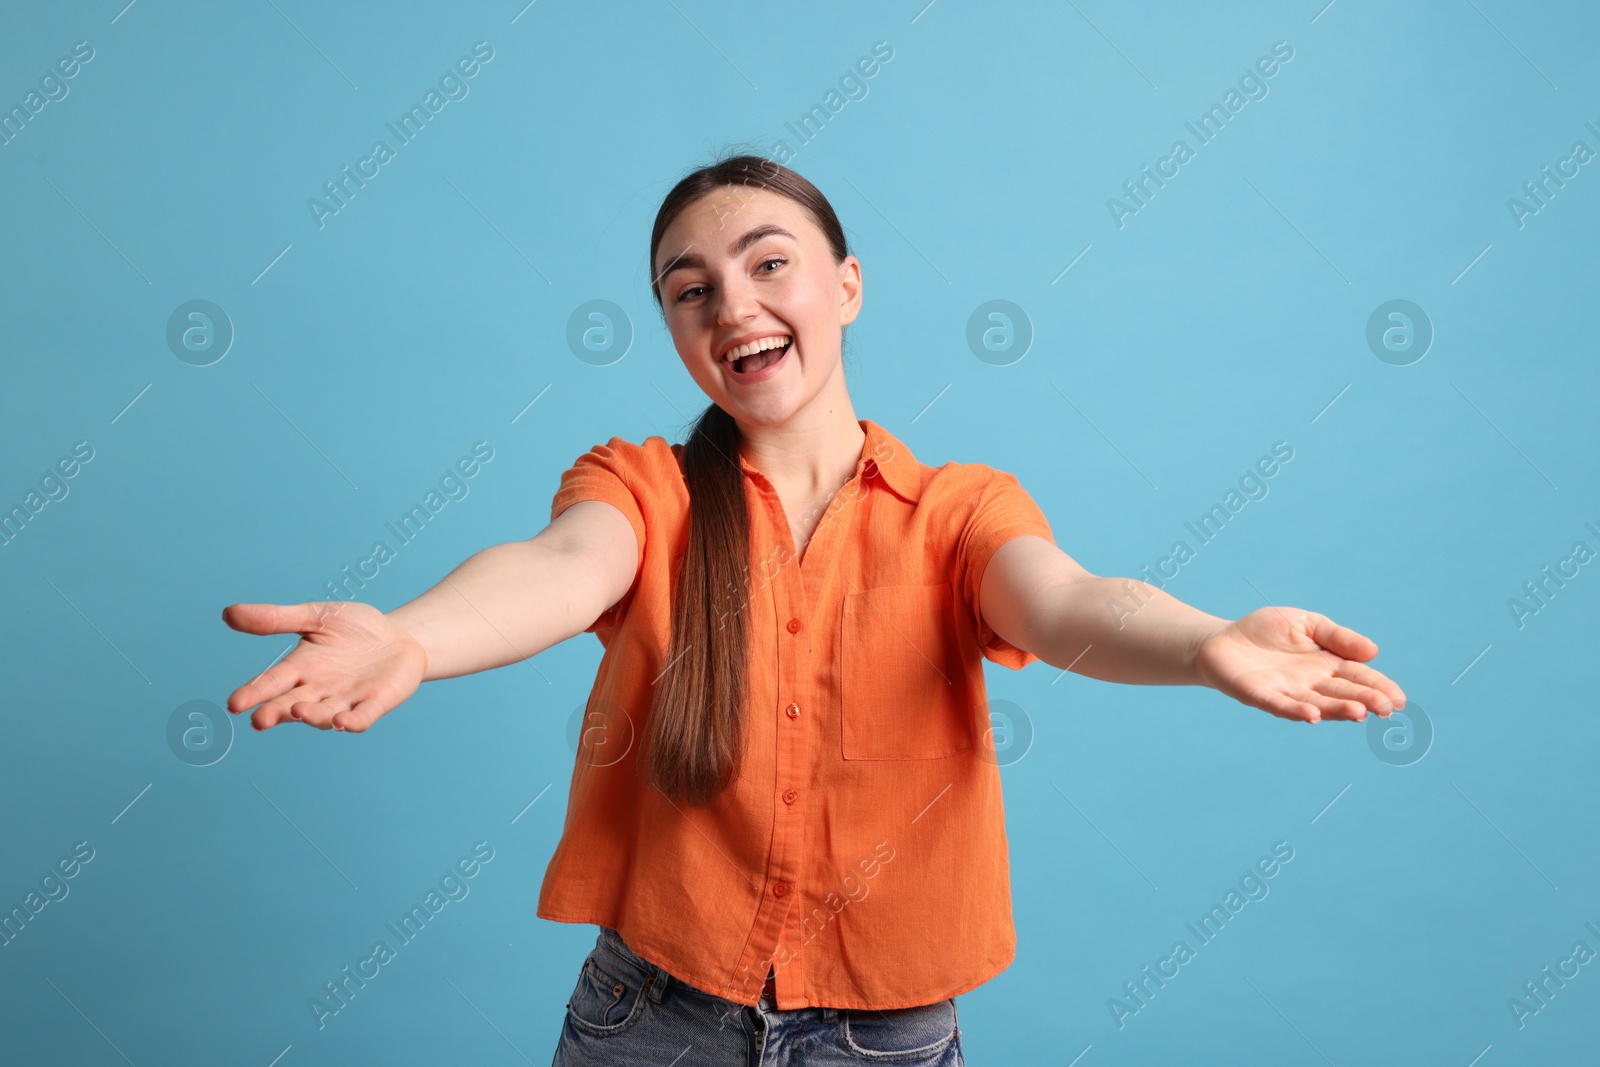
849 290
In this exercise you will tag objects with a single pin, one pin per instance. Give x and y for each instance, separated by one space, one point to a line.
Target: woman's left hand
1297 665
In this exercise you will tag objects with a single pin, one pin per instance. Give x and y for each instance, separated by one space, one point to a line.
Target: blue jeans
626 1011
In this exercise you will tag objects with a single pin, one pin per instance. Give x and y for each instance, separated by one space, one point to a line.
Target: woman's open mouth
763 364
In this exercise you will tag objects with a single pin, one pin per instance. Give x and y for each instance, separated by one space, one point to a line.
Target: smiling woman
828 713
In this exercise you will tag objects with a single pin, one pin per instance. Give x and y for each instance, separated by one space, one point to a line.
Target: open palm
352 664
1297 665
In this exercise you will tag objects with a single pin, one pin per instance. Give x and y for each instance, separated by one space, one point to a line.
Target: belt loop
656 984
656 978
829 1014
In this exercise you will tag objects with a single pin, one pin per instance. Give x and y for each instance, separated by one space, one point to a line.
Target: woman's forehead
715 224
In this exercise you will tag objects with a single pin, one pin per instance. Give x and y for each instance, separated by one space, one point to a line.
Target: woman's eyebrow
687 259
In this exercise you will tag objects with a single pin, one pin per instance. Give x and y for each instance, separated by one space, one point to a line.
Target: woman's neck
807 457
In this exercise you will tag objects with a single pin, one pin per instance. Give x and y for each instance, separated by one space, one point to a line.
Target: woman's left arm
1293 663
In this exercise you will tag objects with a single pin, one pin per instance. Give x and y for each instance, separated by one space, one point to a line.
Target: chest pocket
903 691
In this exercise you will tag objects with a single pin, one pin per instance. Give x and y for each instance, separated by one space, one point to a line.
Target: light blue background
1228 314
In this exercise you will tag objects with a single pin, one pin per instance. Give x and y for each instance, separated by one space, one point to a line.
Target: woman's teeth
758 354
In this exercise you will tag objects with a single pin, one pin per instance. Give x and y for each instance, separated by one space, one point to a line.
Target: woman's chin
766 410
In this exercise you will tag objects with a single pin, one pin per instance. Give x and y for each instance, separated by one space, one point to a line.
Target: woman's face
741 264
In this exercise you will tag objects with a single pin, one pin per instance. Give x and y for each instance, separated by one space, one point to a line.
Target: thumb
274 618
1340 640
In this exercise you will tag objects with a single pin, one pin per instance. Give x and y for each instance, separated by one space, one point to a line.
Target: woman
785 816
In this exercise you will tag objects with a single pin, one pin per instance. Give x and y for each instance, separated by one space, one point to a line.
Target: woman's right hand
352 664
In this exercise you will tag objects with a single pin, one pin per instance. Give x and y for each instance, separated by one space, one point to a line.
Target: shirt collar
883 456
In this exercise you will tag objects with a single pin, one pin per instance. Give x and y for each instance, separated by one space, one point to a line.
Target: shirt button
794 626
780 890
793 711
791 796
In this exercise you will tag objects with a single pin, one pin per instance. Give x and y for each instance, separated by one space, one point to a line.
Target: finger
357 719
1364 675
1334 707
1363 697
274 618
318 713
1341 640
262 719
270 684
277 710
1285 706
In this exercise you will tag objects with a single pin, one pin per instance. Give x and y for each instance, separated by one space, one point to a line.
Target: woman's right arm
504 604
515 600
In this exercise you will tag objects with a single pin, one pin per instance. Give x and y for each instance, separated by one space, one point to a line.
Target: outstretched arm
1293 663
514 600
508 602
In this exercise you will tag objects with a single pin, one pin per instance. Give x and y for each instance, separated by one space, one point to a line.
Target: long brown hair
693 742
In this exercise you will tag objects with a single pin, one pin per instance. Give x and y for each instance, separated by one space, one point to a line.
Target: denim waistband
658 977
613 940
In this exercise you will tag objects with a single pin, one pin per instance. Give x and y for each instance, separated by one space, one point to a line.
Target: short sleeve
1004 510
611 472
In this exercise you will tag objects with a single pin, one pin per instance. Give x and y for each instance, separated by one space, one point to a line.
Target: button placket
790 746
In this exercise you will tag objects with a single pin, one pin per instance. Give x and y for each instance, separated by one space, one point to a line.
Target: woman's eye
693 290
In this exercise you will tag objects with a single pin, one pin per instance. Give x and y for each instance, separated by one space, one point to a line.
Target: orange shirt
861 851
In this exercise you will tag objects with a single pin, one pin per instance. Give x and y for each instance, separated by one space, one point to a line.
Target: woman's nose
736 303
